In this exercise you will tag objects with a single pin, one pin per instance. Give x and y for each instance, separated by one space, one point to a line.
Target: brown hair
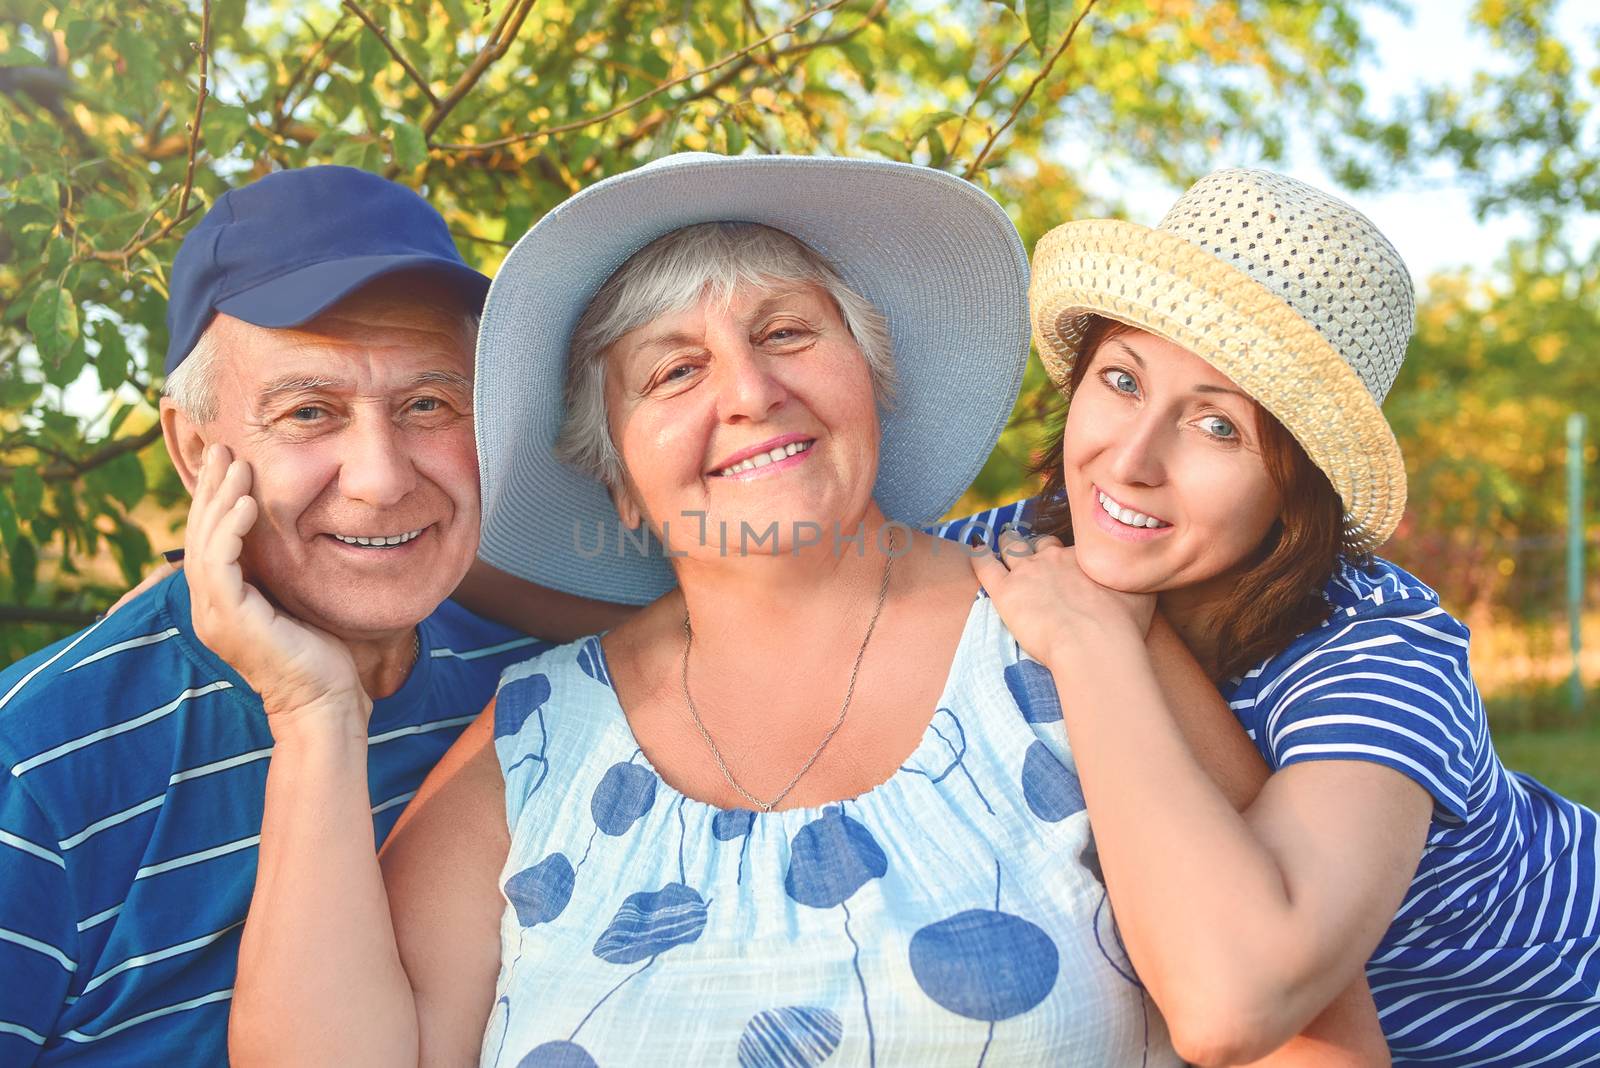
1279 594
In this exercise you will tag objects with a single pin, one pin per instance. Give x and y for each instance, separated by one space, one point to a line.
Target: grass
1537 732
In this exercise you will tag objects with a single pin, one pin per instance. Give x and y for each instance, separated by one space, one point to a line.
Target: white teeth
1127 516
380 542
764 458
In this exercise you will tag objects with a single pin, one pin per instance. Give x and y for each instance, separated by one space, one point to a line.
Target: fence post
1575 541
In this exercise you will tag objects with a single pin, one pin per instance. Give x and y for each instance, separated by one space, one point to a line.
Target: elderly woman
811 800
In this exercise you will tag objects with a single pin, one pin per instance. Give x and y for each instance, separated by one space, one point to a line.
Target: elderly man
322 326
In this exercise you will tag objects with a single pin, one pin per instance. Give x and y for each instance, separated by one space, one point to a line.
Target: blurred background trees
498 109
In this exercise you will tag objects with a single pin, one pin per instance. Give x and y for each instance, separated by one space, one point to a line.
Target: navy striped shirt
133 765
1494 956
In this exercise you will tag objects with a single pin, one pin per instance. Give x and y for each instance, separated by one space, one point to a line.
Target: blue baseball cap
286 247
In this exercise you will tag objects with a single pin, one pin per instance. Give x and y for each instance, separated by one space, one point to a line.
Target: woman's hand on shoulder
303 674
1052 608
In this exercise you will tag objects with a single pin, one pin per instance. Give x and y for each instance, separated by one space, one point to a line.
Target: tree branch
282 107
71 469
629 105
137 244
499 42
983 87
1027 94
16 613
411 72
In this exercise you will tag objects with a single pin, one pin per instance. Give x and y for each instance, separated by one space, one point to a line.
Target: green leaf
733 135
364 153
373 57
111 362
8 523
928 123
40 189
119 417
1047 21
132 550
27 492
885 145
224 126
125 480
53 321
80 34
24 569
410 146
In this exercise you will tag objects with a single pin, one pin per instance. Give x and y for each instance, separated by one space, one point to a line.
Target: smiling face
755 410
358 428
1164 470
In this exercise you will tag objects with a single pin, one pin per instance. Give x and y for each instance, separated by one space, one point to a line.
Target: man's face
358 428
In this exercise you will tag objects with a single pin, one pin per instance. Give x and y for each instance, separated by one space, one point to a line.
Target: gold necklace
768 806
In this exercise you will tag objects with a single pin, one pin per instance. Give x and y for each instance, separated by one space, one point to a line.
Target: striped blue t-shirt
1494 956
133 765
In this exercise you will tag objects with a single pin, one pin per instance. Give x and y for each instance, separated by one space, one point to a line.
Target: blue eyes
1124 384
1121 381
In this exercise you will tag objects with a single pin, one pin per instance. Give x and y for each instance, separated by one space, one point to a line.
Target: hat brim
934 253
1158 282
302 294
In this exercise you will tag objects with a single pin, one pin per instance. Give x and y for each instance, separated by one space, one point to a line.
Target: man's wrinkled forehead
289 385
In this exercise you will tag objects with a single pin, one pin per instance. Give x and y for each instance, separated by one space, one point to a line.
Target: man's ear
186 442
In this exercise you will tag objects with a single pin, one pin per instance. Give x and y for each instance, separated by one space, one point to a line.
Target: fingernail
172 556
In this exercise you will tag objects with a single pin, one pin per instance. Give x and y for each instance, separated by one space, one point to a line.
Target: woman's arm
534 609
1347 1034
1244 928
441 866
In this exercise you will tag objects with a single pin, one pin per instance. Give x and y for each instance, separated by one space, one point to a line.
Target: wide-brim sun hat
1293 294
935 254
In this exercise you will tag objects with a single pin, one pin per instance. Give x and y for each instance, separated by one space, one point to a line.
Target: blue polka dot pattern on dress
558 1055
1049 786
516 702
830 859
625 793
1034 689
985 965
799 1036
650 923
699 935
540 893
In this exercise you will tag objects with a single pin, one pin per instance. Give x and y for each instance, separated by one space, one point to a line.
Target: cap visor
303 294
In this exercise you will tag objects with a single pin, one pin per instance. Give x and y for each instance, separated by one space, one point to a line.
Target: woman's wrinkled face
755 413
1163 469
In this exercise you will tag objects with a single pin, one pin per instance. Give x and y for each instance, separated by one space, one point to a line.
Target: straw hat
935 254
1291 293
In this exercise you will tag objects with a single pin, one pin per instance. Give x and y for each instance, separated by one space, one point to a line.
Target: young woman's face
1163 469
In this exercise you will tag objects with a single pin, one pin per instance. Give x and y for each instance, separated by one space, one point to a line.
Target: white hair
192 385
675 272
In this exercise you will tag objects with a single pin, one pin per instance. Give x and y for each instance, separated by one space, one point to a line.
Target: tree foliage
120 123
1499 361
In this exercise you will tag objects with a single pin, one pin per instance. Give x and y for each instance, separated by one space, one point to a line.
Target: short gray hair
192 385
673 273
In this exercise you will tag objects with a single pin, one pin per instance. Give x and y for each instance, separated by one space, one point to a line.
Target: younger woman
1225 458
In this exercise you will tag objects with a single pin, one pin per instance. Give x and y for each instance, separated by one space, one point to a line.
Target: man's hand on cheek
307 679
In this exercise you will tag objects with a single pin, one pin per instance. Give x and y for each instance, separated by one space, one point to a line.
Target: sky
1434 228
